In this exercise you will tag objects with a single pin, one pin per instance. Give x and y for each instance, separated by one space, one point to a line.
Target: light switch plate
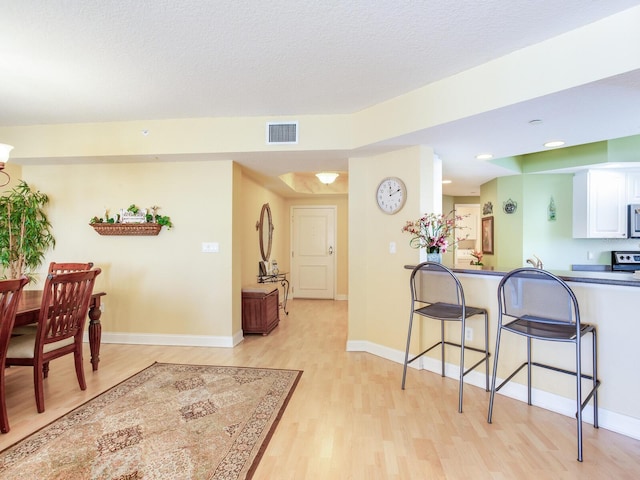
210 247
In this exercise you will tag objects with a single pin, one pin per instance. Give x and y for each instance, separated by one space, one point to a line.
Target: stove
625 261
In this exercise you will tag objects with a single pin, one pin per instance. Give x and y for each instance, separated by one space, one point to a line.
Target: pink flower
433 231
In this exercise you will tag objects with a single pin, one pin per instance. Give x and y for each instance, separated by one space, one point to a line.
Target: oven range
625 261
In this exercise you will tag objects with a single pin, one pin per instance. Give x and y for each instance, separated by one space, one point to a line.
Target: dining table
29 310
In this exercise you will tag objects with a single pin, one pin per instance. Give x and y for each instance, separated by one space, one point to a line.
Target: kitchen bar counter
625 279
608 301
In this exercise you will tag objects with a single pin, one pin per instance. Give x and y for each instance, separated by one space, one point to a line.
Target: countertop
625 279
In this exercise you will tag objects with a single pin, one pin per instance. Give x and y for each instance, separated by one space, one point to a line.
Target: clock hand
393 193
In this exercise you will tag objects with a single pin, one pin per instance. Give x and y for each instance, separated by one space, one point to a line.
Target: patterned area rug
166 422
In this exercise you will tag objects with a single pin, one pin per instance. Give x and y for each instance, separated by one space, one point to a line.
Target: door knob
330 250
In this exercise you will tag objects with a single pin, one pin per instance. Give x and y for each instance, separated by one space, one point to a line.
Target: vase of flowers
433 232
478 258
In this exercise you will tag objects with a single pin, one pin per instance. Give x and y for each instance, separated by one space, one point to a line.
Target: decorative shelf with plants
131 221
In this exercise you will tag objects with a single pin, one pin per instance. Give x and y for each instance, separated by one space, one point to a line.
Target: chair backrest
10 294
432 282
65 302
536 294
67 267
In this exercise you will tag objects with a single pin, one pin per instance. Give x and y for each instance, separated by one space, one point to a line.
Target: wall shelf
127 228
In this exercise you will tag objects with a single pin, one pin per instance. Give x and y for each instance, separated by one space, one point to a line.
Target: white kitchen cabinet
599 204
633 186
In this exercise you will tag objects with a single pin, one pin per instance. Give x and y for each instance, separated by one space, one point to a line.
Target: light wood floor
349 418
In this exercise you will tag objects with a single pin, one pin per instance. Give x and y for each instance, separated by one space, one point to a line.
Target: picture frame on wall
487 235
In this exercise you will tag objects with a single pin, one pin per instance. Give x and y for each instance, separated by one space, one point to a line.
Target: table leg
95 333
285 287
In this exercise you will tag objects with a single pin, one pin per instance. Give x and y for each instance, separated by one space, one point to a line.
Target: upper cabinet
633 186
599 204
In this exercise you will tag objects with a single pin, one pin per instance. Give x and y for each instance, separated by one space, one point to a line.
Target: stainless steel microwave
633 223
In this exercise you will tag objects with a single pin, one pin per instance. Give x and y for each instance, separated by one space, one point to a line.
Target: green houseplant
25 231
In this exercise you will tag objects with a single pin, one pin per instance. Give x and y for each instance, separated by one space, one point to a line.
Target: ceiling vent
282 133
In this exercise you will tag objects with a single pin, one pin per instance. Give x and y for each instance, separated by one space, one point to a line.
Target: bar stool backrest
432 282
539 295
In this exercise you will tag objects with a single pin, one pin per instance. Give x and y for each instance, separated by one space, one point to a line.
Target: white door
313 252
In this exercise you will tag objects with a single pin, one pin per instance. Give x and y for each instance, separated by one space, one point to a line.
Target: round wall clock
391 195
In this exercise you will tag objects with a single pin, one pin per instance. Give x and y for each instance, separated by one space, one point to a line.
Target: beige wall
159 285
378 283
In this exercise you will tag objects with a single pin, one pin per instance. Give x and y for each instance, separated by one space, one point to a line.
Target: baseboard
170 340
612 421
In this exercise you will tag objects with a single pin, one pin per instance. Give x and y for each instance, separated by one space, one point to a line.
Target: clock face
391 195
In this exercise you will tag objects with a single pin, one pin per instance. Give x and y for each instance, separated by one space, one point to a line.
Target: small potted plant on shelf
132 221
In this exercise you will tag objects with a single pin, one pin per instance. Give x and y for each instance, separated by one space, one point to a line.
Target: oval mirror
265 232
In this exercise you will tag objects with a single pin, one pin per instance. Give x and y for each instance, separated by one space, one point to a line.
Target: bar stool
538 305
437 293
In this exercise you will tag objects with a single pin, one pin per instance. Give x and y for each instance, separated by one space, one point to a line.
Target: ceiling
118 60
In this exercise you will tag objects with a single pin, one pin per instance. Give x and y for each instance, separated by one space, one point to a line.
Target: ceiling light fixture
554 143
484 156
327 177
4 158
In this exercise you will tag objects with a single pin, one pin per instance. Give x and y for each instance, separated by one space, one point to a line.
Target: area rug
166 422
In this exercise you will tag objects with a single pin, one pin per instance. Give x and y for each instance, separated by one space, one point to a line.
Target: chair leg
529 370
579 395
38 383
493 379
442 347
406 353
595 378
461 380
486 350
4 418
77 356
45 370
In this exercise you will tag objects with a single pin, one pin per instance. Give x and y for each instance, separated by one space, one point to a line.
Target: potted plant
25 231
131 221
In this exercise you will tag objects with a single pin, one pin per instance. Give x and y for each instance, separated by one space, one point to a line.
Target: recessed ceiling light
554 143
484 156
535 122
446 182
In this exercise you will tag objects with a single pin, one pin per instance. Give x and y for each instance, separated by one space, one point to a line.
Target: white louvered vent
282 132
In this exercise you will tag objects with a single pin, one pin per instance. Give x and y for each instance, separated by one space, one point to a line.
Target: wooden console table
29 310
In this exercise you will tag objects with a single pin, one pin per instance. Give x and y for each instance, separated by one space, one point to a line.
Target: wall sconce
327 177
4 158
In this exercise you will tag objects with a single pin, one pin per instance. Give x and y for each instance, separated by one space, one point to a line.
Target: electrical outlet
468 334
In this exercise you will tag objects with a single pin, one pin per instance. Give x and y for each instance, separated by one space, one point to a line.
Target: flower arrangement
478 257
433 232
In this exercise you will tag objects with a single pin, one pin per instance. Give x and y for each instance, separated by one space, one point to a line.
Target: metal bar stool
538 305
437 293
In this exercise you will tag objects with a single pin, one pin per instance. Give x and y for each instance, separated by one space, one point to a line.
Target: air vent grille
282 132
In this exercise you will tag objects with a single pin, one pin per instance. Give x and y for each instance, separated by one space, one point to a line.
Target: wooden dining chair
54 267
10 293
63 314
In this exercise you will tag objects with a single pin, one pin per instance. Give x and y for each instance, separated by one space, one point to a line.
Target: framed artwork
487 235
